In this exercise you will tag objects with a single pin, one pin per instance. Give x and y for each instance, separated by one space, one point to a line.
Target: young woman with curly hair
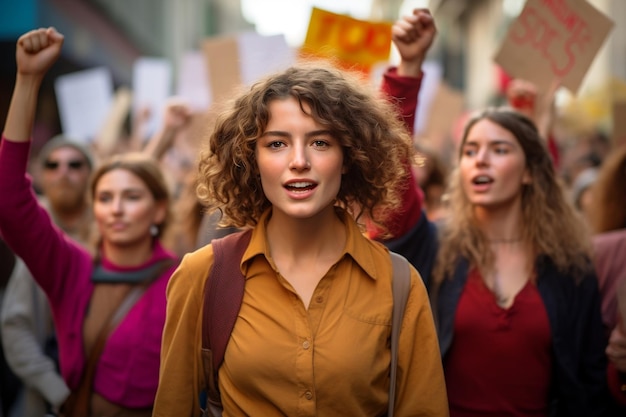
297 159
516 298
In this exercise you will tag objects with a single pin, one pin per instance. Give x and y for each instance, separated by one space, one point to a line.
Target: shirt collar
357 246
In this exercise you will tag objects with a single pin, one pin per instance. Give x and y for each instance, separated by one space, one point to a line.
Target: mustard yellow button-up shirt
284 360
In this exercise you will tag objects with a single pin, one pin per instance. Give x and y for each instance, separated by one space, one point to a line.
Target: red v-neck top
500 360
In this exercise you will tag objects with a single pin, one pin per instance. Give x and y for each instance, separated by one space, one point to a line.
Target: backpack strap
401 286
223 293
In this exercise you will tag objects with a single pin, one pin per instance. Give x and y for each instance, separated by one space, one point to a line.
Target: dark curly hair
375 143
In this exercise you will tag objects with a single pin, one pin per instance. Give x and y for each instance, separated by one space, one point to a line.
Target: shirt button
308 395
306 344
319 299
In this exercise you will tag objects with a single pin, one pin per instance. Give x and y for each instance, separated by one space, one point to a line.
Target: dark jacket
578 341
419 246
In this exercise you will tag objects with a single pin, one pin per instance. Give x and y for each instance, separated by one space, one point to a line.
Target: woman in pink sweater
130 202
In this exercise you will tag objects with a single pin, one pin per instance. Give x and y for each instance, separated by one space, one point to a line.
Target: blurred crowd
513 212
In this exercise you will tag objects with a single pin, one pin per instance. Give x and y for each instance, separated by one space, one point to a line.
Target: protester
313 330
608 222
516 298
172 146
114 302
28 335
407 230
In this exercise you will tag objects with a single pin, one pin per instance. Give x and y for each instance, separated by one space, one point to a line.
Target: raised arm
36 51
176 116
412 36
25 225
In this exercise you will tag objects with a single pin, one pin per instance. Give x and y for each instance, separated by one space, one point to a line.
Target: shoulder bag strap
401 286
79 402
223 293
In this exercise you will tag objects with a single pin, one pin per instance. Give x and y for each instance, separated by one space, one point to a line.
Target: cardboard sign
222 65
619 126
446 108
554 39
239 60
84 98
353 43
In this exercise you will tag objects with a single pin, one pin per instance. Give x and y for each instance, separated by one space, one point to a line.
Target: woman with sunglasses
109 310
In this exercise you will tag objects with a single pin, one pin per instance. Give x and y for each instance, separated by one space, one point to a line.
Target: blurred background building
114 33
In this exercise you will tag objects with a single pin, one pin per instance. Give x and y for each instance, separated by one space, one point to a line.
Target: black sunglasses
52 165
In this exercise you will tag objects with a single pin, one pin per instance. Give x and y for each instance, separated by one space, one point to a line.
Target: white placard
433 73
261 55
84 99
193 83
151 89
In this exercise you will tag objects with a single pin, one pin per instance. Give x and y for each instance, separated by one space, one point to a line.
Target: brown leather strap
78 404
223 293
401 286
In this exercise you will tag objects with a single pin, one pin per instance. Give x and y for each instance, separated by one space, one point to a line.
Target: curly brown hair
550 224
608 207
375 143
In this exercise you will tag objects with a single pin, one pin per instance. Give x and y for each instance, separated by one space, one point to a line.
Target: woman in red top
515 296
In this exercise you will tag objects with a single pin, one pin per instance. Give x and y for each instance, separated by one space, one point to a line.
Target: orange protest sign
554 39
353 43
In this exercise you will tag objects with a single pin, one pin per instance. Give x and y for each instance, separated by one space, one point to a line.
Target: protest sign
222 65
151 88
352 43
109 135
446 108
431 81
553 39
260 55
84 98
193 81
242 59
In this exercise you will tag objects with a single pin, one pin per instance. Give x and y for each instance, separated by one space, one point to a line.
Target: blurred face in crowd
492 166
65 178
125 209
300 162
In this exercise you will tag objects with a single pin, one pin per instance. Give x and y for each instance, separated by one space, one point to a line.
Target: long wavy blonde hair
550 224
374 141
